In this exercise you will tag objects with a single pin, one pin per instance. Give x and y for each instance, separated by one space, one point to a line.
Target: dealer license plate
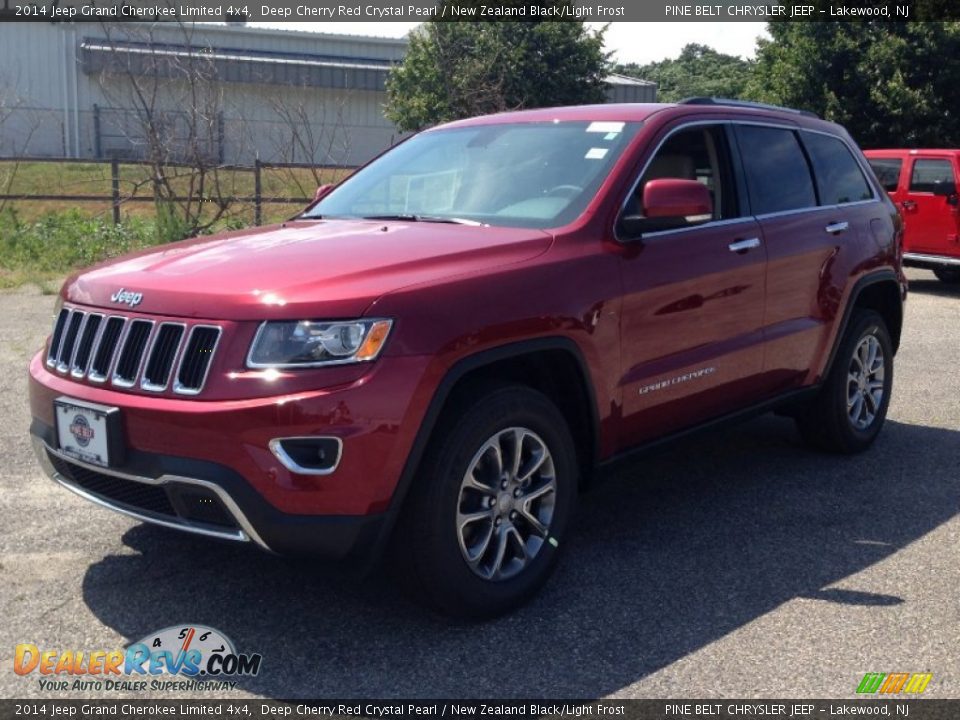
83 430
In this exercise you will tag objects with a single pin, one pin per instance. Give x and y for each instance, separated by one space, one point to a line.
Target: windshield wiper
411 217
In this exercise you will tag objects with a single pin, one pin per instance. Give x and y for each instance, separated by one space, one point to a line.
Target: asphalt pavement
739 564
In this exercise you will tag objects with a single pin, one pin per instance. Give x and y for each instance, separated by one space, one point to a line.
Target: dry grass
53 178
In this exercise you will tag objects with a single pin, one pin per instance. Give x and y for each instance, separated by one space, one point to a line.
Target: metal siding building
282 96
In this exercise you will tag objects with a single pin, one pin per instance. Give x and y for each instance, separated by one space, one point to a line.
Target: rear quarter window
778 176
839 177
887 171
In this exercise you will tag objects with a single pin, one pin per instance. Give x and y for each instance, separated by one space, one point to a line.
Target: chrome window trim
245 533
93 345
144 383
113 356
290 464
717 223
117 381
177 387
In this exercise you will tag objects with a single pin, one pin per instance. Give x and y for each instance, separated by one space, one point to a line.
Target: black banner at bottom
912 709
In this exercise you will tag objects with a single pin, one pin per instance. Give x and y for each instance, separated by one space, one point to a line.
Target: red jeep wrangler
923 183
435 356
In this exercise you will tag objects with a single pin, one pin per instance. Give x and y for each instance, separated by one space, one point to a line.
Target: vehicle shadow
929 285
669 554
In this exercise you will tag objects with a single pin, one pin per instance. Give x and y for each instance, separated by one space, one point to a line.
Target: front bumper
205 499
206 466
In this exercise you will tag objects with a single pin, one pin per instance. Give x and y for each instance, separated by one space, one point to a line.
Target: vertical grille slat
57 336
82 357
196 359
103 356
69 340
131 354
156 375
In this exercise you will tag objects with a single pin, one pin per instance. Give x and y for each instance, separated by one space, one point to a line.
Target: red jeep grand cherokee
437 354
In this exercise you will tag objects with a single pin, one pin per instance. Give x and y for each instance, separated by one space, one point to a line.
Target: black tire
950 276
427 551
827 423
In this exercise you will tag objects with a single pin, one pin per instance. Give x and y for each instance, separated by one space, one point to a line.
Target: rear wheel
482 527
950 275
850 409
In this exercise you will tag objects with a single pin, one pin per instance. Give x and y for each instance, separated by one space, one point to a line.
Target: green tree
460 69
698 71
890 84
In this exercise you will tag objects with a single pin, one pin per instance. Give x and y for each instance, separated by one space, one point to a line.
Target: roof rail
744 104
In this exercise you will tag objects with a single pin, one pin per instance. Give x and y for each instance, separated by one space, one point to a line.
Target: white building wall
47 102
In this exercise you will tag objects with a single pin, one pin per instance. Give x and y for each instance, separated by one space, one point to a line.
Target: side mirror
323 191
675 198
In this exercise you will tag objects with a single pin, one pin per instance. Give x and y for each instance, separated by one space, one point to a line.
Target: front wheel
850 409
482 527
950 276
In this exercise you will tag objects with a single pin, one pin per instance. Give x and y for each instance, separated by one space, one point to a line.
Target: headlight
312 343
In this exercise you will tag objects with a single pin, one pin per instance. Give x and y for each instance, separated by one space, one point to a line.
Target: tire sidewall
865 324
505 408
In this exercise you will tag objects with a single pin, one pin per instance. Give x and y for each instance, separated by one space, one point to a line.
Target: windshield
521 175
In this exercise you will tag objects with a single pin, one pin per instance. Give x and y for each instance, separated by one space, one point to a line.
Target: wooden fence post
115 189
257 194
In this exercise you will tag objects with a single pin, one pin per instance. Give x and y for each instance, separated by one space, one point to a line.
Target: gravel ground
739 565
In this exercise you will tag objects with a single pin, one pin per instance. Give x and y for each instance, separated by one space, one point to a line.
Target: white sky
630 42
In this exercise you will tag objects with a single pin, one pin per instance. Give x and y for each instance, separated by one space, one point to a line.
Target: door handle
908 204
837 227
741 246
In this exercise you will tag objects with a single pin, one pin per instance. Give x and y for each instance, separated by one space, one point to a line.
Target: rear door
929 209
809 227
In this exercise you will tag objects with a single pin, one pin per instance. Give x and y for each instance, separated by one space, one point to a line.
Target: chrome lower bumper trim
931 259
244 533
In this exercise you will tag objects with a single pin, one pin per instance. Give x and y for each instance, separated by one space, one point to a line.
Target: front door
694 296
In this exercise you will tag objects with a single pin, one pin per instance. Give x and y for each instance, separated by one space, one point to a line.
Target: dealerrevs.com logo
181 657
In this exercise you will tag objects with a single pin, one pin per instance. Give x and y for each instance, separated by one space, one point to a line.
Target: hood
300 269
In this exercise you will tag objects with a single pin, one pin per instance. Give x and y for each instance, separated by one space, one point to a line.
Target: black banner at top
477 10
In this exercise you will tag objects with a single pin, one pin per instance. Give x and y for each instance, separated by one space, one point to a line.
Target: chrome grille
131 354
82 357
69 341
166 342
128 351
103 356
195 363
55 340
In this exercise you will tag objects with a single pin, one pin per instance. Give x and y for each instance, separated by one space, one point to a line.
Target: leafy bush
57 243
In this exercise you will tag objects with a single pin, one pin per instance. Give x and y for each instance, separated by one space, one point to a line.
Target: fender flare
440 396
874 278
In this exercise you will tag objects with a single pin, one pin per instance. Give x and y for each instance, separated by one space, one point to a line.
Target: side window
778 176
928 174
887 171
700 154
839 177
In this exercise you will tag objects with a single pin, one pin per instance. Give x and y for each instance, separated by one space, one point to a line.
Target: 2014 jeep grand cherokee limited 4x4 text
432 359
